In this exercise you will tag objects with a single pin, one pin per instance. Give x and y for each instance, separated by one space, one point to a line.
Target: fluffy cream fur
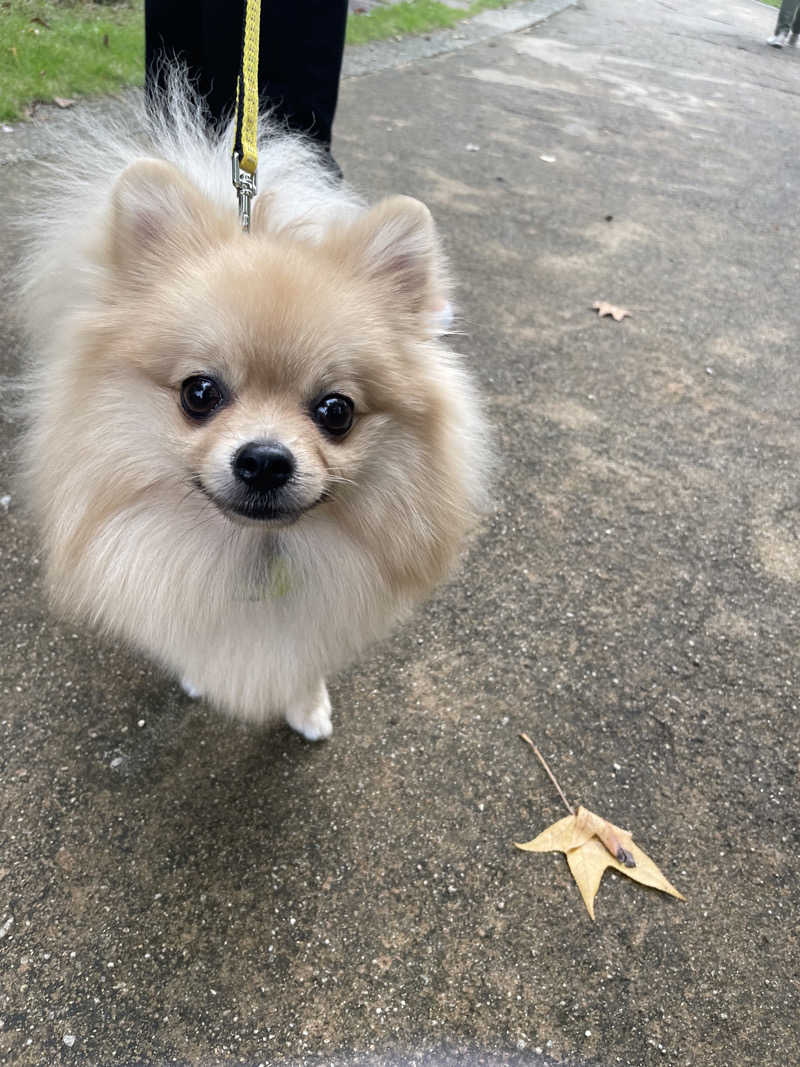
140 278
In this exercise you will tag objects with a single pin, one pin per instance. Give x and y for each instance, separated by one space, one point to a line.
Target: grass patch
67 49
73 48
411 17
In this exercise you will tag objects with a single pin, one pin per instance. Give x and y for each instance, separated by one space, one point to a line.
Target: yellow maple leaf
575 835
591 844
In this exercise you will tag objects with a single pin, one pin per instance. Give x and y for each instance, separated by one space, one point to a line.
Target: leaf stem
552 777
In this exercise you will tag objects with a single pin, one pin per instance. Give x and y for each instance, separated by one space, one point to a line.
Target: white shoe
778 40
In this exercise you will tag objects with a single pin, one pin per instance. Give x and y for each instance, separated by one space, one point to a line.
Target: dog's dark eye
334 414
201 396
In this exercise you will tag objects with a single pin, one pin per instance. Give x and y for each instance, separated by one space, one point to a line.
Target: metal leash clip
246 188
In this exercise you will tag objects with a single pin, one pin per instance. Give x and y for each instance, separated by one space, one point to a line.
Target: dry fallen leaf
588 857
602 307
62 101
591 844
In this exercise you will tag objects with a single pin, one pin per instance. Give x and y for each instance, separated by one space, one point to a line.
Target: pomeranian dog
248 454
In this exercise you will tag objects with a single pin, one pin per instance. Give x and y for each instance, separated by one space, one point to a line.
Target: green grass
73 48
412 17
76 48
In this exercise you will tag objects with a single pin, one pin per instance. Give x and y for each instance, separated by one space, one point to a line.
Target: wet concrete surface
176 888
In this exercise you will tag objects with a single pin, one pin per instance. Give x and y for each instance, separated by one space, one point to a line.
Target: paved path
194 892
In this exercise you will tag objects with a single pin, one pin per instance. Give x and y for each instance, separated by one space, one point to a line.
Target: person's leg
795 27
302 42
221 27
300 58
786 14
172 32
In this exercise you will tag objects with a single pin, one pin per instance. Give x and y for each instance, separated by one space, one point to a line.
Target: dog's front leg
310 713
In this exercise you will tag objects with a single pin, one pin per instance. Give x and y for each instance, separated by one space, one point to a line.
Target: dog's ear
396 247
155 214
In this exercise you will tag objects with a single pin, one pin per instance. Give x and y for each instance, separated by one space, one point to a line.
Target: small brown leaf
41 21
105 40
602 307
62 101
591 844
588 854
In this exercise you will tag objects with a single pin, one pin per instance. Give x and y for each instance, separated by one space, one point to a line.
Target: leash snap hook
246 188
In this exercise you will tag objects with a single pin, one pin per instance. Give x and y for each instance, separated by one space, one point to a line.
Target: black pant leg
173 32
300 55
301 60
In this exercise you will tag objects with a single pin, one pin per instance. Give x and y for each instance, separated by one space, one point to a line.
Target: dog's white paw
190 690
312 717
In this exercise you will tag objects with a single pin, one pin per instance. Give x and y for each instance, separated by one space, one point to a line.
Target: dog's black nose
263 465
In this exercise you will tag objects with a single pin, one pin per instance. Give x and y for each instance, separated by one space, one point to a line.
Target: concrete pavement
178 889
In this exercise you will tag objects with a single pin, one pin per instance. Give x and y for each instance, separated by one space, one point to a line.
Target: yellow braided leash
245 145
